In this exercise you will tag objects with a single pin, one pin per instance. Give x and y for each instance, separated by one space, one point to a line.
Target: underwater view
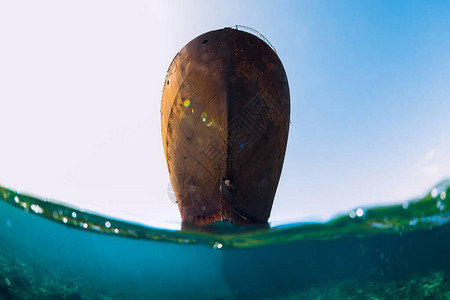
53 251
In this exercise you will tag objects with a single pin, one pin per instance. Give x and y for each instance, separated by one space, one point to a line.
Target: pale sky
81 83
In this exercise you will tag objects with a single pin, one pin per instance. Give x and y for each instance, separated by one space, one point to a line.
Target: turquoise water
53 251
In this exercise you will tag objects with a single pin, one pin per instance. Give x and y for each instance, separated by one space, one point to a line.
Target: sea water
53 251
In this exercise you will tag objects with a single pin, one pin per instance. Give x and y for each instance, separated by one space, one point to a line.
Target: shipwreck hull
225 120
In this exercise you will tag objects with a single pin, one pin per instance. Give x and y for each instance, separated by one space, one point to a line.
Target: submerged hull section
225 121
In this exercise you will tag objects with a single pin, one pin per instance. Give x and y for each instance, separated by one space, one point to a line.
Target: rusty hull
225 120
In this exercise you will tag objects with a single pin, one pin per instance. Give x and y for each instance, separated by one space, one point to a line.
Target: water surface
53 251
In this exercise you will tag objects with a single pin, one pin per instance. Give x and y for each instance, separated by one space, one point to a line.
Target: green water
52 251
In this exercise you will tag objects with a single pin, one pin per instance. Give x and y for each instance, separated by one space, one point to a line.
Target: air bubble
434 193
217 245
359 212
440 205
37 209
